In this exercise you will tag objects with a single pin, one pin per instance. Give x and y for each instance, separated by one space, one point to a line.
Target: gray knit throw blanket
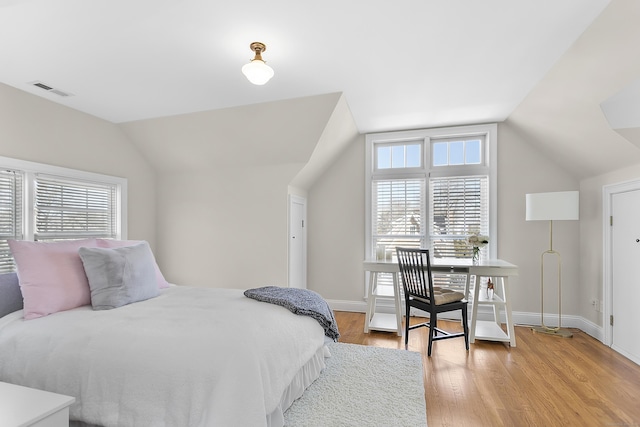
299 301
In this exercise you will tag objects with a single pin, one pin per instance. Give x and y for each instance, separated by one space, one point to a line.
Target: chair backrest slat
415 272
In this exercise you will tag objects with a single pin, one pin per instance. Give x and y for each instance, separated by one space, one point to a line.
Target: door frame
302 201
608 191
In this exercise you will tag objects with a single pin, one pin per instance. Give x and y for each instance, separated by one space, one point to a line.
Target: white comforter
190 357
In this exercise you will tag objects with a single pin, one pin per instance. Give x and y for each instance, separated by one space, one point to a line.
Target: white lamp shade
257 72
561 205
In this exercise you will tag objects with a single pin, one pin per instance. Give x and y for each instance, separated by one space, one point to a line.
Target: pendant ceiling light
257 71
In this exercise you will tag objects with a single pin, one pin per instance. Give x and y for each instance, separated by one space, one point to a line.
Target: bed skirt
303 379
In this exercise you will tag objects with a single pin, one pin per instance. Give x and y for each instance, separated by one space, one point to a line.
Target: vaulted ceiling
584 113
559 71
400 64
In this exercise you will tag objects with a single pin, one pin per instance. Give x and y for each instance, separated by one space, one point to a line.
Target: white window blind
10 215
398 215
72 209
459 206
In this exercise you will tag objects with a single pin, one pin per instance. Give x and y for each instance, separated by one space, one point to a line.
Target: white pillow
111 243
119 276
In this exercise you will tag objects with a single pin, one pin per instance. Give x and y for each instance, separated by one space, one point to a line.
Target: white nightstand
23 406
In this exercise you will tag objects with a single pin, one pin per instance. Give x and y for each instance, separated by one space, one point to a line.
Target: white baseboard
568 321
353 306
484 313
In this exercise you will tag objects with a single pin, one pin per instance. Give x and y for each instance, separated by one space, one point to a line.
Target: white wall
524 169
225 228
223 181
38 130
336 226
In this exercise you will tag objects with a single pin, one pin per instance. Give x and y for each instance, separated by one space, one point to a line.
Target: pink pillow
51 275
112 244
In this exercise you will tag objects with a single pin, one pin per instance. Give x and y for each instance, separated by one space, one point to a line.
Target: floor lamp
562 205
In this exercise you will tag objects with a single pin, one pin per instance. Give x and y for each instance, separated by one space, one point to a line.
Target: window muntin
43 202
457 151
398 155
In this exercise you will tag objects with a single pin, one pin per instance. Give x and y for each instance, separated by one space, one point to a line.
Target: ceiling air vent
50 89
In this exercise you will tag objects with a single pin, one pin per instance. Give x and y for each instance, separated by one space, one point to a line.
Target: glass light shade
257 72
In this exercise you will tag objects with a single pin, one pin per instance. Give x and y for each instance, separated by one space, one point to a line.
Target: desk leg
507 300
496 310
373 279
474 310
467 286
396 299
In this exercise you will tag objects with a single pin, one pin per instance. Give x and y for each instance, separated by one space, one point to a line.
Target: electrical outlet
596 305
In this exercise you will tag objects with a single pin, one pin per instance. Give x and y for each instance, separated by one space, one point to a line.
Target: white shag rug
363 386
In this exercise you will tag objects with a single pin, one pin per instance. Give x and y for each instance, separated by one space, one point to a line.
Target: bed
184 357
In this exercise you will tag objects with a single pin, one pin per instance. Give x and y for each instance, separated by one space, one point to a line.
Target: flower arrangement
477 241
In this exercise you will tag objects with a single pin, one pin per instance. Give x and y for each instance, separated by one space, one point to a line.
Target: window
457 151
43 203
458 208
398 215
10 214
431 188
396 156
72 209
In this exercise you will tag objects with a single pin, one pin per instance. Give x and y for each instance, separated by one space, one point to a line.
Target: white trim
31 168
608 191
485 313
302 201
590 328
350 306
28 166
629 356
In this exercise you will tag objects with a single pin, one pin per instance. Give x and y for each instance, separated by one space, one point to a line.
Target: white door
297 242
625 255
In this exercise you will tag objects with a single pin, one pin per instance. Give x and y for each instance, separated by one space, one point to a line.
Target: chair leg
433 322
430 342
465 326
406 327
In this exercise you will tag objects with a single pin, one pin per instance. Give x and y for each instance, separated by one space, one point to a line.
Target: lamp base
562 333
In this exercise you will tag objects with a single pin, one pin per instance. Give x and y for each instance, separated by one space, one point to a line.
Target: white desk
480 329
383 321
24 406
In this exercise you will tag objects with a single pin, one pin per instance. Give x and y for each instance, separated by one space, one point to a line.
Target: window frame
30 171
487 167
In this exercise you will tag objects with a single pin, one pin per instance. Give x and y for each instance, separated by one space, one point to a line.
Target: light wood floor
543 381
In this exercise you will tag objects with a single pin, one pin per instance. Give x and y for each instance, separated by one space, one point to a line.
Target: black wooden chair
419 292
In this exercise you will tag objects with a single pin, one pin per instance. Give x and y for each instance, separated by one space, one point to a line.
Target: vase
489 289
476 255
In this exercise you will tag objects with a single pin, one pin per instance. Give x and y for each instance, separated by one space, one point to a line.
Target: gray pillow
119 276
10 295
